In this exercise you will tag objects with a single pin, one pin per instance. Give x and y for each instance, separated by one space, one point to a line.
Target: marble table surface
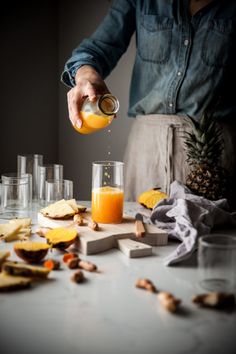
107 314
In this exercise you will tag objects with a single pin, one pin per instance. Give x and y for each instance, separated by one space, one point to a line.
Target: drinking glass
58 189
28 163
15 193
47 172
107 191
217 262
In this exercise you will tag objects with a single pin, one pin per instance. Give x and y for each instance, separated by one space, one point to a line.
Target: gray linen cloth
186 216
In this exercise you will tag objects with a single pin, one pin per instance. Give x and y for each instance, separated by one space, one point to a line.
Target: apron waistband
162 119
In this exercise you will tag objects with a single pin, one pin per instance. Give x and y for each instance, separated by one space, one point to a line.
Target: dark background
37 37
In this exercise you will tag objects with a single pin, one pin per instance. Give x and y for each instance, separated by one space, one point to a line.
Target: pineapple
151 197
204 147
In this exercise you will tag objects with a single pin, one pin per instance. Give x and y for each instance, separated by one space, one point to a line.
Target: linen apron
155 153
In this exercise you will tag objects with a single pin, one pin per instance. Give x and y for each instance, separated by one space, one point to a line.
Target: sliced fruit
3 256
32 252
25 270
151 197
58 210
81 208
61 237
24 233
9 282
23 223
8 232
25 227
78 208
72 204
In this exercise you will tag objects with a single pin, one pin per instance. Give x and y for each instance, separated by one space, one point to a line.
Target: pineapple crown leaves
204 144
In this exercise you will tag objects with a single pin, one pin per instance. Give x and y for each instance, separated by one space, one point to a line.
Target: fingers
74 101
91 92
90 87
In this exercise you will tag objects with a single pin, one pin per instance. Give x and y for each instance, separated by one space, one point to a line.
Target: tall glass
46 172
107 191
28 163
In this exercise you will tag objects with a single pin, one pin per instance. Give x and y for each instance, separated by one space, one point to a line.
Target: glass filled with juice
107 191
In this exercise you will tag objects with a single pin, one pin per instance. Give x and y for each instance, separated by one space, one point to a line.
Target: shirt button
170 104
179 73
186 42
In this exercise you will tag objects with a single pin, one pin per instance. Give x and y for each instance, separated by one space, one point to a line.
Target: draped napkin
186 216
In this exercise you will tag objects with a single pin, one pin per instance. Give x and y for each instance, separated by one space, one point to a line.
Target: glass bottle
96 115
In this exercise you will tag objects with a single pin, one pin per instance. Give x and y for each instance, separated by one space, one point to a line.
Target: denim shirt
182 62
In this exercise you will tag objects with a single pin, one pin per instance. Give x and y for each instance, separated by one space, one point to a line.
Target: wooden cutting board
121 236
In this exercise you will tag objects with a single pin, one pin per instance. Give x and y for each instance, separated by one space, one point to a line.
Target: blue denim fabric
182 63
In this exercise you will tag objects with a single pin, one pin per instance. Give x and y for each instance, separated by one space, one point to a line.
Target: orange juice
107 205
93 122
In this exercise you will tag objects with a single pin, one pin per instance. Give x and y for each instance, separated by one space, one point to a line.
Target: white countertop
107 314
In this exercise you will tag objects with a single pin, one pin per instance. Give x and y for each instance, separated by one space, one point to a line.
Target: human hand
88 84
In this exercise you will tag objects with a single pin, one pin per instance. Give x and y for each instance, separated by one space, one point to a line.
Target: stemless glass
217 262
28 163
46 172
15 192
107 191
58 189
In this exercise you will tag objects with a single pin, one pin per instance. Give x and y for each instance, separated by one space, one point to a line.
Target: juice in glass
107 192
107 205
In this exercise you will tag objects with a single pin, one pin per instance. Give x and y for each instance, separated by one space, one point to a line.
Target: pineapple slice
8 232
59 210
61 237
3 256
10 282
24 270
151 197
32 252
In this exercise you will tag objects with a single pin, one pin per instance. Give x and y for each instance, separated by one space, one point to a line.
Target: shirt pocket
218 43
154 38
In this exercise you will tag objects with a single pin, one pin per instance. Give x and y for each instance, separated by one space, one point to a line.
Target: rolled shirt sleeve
106 45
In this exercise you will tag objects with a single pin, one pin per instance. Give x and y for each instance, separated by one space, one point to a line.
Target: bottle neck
108 104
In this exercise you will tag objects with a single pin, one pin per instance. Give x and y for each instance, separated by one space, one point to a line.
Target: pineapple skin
204 149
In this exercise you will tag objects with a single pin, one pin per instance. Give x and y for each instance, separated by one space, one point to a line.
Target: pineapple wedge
151 197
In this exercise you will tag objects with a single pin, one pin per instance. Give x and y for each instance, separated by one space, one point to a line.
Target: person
185 60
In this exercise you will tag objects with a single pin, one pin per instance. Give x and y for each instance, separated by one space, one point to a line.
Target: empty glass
58 189
28 163
217 262
47 172
16 193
